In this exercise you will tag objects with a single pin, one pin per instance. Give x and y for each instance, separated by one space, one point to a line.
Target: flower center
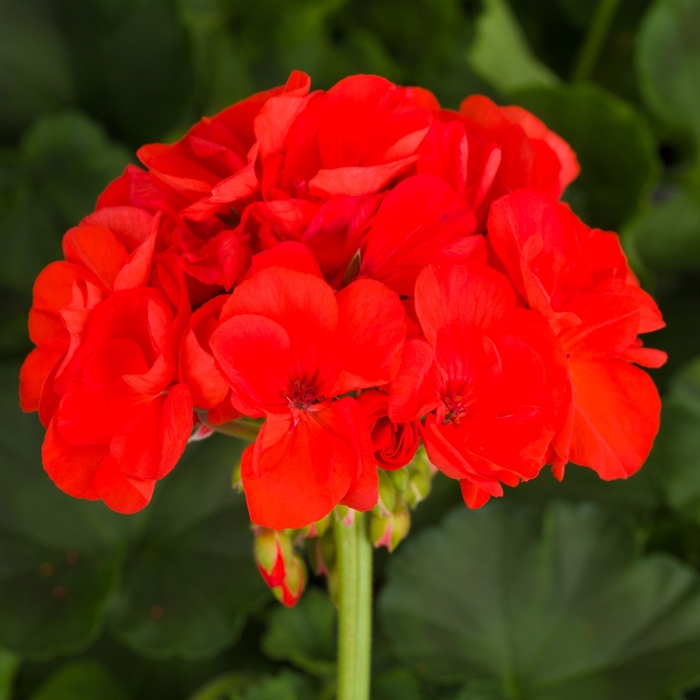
455 409
302 395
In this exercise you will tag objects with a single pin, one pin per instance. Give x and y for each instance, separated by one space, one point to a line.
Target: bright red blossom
288 346
319 262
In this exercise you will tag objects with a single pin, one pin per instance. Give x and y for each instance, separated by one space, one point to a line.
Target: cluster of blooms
359 271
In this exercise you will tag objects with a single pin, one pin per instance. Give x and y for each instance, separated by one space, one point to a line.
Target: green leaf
58 565
397 684
286 686
35 76
305 635
81 680
638 496
614 144
674 458
668 62
239 686
568 613
500 54
189 579
667 237
132 64
9 663
47 186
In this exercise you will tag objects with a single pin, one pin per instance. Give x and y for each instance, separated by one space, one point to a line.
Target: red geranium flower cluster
360 270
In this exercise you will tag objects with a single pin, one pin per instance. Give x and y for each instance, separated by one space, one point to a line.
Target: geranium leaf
615 147
58 562
46 186
500 54
568 613
81 680
674 458
304 635
189 578
667 237
668 62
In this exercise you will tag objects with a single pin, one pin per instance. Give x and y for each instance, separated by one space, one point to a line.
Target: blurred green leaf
81 680
614 144
47 186
305 635
675 458
668 62
189 579
132 64
500 53
35 76
568 614
397 684
639 496
667 237
9 663
236 686
57 566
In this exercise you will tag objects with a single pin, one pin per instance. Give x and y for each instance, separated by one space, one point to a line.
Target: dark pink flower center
302 395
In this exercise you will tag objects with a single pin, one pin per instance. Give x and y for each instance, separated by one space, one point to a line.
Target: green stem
595 37
354 561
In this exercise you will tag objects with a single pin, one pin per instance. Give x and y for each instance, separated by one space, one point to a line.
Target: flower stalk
354 567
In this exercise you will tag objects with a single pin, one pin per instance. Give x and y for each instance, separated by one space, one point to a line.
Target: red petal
355 181
300 477
119 492
616 416
98 249
72 467
288 254
371 332
130 224
151 447
461 295
418 218
414 391
254 354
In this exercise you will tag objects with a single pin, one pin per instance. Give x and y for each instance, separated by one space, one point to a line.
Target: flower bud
387 493
236 479
280 566
390 530
322 554
319 528
294 583
420 479
399 477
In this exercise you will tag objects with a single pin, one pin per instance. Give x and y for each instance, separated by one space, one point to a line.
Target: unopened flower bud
387 493
236 479
399 478
280 566
390 530
319 528
345 515
294 582
322 554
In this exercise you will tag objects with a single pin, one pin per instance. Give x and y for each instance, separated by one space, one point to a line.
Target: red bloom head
290 348
487 369
122 422
577 278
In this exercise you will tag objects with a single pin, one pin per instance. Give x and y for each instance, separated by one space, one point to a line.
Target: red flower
289 346
211 167
122 423
487 151
111 250
492 375
394 444
352 140
578 278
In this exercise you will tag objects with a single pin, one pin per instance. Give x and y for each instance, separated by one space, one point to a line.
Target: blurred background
574 591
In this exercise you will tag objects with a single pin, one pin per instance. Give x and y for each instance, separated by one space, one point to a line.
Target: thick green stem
354 561
595 37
